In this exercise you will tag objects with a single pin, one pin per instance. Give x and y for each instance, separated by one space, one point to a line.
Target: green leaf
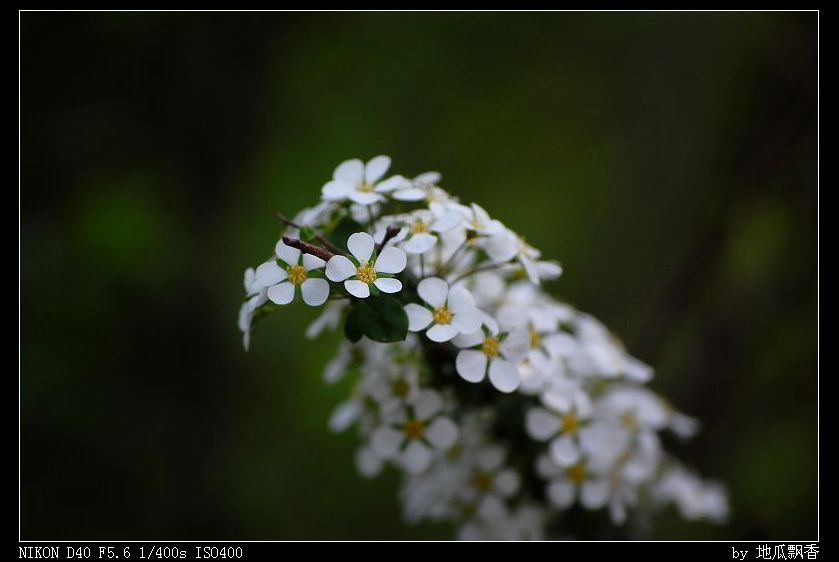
307 234
342 231
352 325
382 319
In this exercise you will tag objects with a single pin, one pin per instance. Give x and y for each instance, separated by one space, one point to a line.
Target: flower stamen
490 347
297 274
365 273
443 315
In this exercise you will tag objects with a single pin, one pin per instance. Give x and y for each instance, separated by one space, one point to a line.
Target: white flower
291 270
491 483
481 349
357 182
449 312
416 189
423 228
507 245
566 483
411 434
479 221
693 498
602 354
257 295
568 407
367 269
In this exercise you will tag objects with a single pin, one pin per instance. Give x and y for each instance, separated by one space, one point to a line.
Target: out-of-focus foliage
667 160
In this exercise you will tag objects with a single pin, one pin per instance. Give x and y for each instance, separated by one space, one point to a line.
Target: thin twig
390 232
318 236
307 248
475 270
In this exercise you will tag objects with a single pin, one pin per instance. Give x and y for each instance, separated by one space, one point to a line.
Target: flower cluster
502 406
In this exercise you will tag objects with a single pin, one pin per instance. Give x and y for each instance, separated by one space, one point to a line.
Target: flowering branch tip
307 248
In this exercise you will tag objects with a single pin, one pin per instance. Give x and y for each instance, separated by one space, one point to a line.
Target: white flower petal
336 190
469 339
416 458
428 178
390 184
419 243
594 494
410 194
467 322
344 415
388 284
315 291
561 493
441 332
491 508
426 404
490 458
391 260
368 462
376 168
356 288
434 291
349 171
311 262
282 293
361 246
442 433
541 424
386 441
549 269
339 268
269 273
461 300
471 365
504 375
564 451
516 345
364 197
419 317
286 253
507 482
530 268
447 221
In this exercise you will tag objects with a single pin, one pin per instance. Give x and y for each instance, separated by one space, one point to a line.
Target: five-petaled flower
292 270
366 268
411 434
360 183
500 352
449 311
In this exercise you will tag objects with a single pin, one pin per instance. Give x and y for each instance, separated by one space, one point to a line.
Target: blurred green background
669 161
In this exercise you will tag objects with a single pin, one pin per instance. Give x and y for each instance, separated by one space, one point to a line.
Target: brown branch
391 231
318 236
307 248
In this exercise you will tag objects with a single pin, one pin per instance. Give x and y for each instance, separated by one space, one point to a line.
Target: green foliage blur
669 161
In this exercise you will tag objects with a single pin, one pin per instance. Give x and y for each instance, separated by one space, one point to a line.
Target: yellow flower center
570 423
419 227
400 388
365 273
576 474
490 347
442 315
535 339
482 481
414 429
366 187
296 274
629 421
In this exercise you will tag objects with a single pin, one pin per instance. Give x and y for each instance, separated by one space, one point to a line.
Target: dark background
669 161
